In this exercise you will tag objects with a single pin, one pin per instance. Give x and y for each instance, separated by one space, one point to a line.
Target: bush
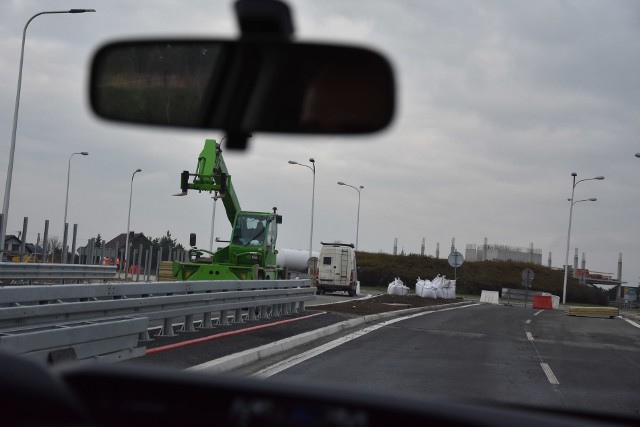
378 270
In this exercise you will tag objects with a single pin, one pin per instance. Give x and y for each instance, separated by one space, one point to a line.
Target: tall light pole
66 204
7 188
566 259
312 168
126 245
638 155
358 220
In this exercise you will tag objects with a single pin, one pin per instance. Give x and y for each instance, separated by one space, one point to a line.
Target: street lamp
66 204
638 155
566 259
7 189
126 245
312 168
358 221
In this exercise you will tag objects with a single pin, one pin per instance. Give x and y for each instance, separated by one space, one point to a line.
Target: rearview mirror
244 86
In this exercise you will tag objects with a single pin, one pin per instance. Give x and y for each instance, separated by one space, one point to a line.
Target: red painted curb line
226 334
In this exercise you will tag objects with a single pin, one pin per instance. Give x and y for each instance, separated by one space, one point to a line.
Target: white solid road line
550 376
294 360
535 314
529 336
632 322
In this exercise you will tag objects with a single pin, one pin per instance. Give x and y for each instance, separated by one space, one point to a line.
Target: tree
54 248
99 242
166 242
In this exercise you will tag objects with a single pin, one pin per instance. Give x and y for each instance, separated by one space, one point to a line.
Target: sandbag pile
397 288
440 287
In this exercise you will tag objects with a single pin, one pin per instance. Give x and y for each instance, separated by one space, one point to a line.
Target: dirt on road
381 304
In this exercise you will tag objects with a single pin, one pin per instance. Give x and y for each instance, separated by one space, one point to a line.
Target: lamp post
126 245
312 168
358 220
566 259
7 189
638 155
66 204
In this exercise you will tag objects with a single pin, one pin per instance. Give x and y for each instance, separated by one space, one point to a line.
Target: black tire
352 292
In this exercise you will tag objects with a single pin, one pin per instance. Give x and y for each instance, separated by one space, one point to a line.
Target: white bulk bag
397 288
449 289
419 286
429 289
437 282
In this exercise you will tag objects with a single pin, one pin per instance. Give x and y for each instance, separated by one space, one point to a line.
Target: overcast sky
498 102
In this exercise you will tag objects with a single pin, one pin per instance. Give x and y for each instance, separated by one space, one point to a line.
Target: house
12 245
135 240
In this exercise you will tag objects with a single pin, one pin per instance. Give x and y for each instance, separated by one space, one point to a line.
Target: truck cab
253 239
337 268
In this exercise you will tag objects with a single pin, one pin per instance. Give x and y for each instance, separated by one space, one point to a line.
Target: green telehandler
251 253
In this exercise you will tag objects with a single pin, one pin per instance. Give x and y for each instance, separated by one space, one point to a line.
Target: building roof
120 241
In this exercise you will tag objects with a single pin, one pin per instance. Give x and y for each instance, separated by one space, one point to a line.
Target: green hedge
379 269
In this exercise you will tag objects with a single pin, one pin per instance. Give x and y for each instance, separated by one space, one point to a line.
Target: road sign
455 259
527 277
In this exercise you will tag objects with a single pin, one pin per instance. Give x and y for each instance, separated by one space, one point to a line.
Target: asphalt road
483 352
501 354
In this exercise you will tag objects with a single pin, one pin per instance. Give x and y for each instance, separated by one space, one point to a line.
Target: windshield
508 177
249 230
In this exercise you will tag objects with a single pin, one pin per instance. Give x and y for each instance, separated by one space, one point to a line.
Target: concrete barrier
542 301
490 297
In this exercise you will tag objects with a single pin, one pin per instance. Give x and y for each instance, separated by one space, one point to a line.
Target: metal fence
144 260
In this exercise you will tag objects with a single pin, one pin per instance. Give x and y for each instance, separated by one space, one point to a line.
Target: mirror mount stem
237 140
264 17
260 18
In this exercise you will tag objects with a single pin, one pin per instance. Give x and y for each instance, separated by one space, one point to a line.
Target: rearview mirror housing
244 86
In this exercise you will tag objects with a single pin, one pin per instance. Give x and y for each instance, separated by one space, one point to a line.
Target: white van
337 268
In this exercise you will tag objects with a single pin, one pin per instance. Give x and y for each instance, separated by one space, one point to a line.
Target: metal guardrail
519 293
28 272
107 340
26 295
30 313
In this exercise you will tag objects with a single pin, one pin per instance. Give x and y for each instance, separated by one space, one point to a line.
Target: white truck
337 268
